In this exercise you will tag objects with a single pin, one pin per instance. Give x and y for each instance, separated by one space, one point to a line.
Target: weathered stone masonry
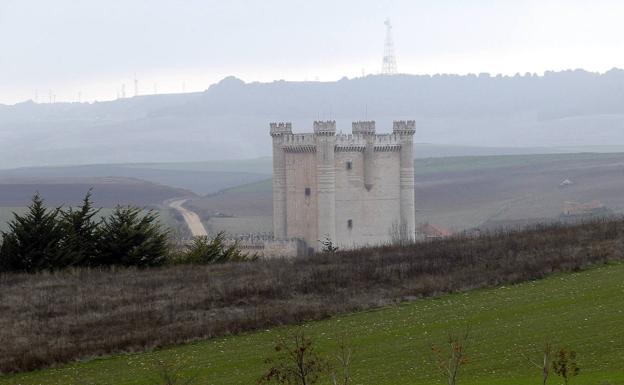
353 189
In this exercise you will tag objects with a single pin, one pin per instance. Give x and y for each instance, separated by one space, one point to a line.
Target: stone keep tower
355 189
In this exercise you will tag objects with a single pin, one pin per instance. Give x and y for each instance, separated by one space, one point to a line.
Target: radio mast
389 64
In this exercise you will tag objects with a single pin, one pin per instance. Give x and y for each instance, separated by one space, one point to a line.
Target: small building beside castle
354 189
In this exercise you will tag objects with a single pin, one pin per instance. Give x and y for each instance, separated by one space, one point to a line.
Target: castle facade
354 189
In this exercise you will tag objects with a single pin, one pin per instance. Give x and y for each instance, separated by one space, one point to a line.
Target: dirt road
192 219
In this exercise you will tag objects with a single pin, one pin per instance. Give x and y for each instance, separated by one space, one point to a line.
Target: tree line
46 238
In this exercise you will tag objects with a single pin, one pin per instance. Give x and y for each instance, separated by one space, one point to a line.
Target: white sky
94 46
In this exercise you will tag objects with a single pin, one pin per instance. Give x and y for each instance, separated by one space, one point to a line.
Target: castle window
350 223
307 191
349 165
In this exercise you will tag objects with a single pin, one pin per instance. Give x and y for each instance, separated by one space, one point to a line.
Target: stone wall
267 247
373 211
301 209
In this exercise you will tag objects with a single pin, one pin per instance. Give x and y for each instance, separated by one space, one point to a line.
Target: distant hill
201 178
107 192
230 119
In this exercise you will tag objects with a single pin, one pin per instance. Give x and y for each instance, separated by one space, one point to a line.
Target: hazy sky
95 46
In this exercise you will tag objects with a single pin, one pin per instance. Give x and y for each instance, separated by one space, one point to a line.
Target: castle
355 189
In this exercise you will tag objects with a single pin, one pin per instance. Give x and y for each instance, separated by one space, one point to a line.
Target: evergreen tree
129 237
33 240
80 239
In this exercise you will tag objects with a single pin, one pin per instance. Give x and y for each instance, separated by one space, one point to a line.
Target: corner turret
281 129
404 127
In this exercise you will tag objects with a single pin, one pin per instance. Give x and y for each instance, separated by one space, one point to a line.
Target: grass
582 310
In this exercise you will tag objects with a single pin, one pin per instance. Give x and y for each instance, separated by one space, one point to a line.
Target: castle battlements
299 143
350 142
299 139
387 142
363 134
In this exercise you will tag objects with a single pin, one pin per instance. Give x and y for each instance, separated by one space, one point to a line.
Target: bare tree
451 358
343 359
168 374
565 366
546 362
296 363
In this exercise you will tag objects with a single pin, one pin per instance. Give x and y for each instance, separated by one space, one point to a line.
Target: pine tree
80 234
33 240
130 237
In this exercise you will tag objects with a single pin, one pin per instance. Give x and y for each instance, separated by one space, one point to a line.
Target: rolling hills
229 120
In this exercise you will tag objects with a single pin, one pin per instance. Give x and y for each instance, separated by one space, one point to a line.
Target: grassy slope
582 310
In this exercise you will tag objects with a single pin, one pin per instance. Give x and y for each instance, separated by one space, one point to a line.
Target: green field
584 311
261 186
476 163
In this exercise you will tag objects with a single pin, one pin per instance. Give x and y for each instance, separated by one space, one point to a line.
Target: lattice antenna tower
389 64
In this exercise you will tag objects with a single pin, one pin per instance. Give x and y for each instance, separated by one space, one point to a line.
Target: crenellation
350 143
299 143
299 139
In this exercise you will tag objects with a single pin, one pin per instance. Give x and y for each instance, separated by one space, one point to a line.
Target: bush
130 238
296 362
565 365
204 250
